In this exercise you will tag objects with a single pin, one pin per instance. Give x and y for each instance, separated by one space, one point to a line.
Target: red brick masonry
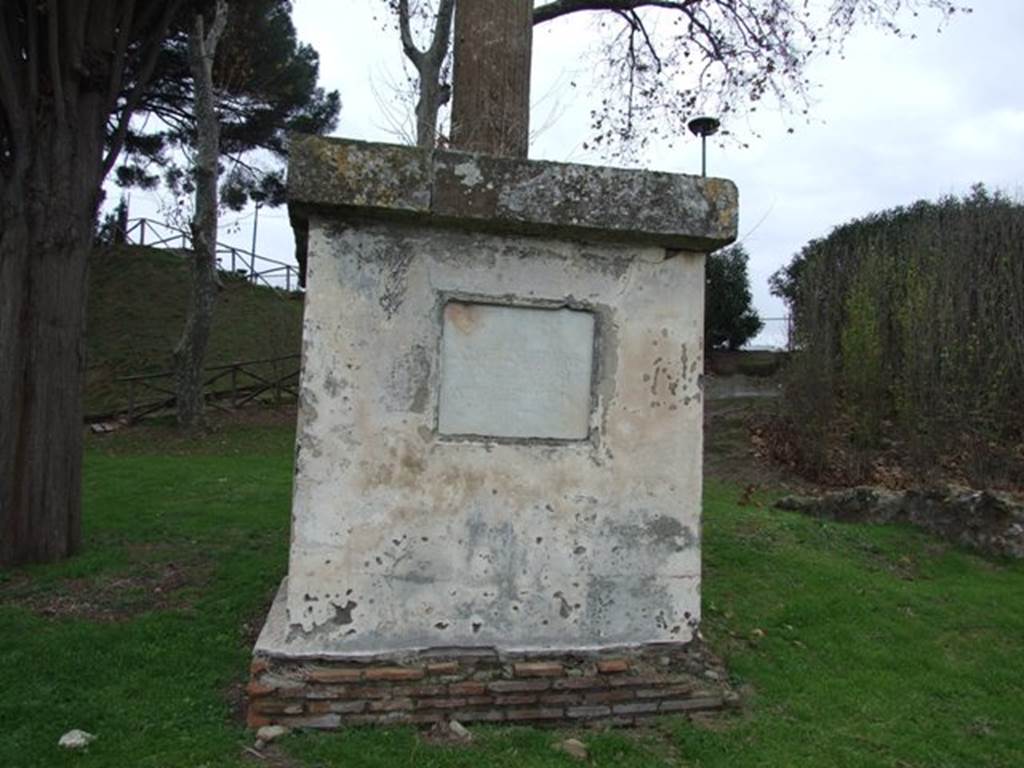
472 686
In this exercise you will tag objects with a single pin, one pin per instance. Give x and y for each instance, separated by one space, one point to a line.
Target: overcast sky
895 121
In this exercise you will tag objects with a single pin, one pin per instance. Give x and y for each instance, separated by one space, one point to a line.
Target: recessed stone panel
516 372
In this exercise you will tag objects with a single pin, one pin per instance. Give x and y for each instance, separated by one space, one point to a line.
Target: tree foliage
730 320
910 330
266 83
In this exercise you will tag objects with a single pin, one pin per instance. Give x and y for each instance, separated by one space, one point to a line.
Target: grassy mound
136 312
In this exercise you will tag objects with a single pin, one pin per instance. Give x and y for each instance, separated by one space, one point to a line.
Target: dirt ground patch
222 432
145 586
730 451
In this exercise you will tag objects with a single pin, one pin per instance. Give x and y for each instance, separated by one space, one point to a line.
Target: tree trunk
190 353
62 67
429 104
491 78
47 214
432 93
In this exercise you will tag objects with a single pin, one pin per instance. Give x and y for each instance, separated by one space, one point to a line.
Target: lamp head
703 126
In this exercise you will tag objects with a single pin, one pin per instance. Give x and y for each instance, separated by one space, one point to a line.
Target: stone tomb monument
497 493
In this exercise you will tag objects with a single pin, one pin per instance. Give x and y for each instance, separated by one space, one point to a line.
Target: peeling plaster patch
391 299
664 527
408 383
660 532
343 613
564 610
333 385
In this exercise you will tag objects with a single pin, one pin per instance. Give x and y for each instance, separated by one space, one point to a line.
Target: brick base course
619 689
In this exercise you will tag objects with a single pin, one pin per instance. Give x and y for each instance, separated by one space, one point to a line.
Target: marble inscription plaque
515 372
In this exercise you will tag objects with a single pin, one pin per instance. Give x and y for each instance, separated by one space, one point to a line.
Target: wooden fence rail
256 268
225 387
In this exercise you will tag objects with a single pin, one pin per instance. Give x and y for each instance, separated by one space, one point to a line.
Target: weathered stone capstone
578 202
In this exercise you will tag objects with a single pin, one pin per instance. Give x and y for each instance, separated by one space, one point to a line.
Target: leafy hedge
910 330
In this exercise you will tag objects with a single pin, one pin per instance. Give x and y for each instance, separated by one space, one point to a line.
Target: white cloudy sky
894 121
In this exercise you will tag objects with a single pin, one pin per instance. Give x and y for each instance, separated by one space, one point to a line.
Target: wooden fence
256 268
226 387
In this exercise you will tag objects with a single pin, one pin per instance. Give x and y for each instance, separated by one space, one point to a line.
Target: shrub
910 330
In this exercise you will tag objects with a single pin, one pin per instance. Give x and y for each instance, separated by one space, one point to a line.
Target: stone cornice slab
347 178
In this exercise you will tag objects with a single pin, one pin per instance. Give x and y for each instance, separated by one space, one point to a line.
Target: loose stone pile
989 522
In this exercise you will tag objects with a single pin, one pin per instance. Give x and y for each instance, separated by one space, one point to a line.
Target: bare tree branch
124 33
414 54
675 58
152 48
559 8
442 30
220 20
428 63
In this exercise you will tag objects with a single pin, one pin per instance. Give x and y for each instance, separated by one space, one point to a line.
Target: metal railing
230 258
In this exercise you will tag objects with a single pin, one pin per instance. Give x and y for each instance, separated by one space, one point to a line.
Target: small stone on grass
451 731
76 739
459 731
269 733
574 748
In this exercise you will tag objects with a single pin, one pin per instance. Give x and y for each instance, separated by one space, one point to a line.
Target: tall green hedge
910 330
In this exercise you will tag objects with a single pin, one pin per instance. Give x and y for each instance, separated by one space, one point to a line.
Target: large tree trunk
491 78
190 353
46 224
62 70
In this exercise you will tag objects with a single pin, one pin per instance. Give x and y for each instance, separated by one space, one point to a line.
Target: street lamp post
703 127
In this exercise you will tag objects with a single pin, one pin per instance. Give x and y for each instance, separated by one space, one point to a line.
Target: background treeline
909 326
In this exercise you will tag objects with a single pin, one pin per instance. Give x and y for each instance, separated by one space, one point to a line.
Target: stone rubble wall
988 522
475 687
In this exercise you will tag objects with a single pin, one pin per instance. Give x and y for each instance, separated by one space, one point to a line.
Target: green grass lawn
856 646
